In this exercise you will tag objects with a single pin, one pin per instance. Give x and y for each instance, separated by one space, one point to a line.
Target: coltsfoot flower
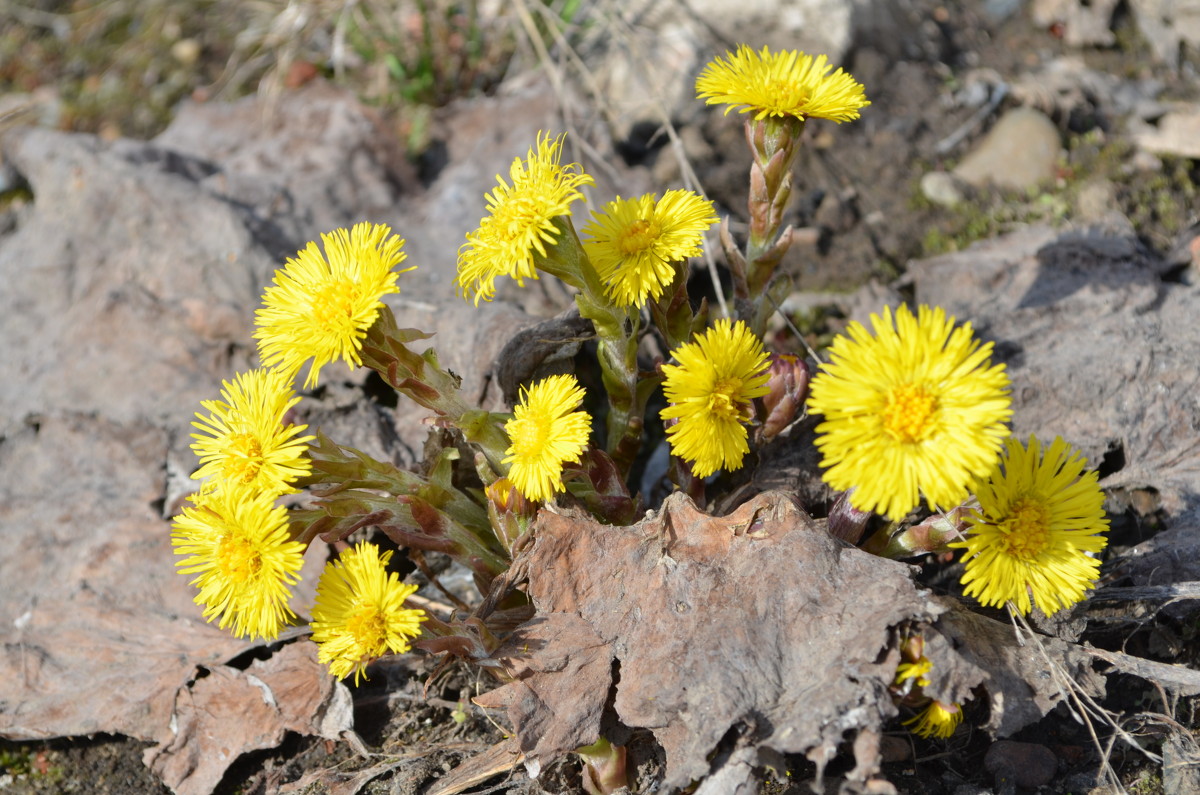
1039 516
788 83
710 392
917 408
936 720
321 306
244 441
359 613
634 243
546 431
520 220
238 545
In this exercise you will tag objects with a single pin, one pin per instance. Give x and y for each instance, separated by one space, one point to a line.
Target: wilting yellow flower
321 306
546 431
520 223
244 441
1038 517
916 408
634 242
359 612
788 83
936 720
239 548
710 392
915 671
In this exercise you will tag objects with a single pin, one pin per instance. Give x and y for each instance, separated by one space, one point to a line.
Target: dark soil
858 184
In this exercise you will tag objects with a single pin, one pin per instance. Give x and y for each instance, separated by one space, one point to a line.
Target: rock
1176 134
1084 23
1180 771
942 188
1167 24
1026 765
1021 151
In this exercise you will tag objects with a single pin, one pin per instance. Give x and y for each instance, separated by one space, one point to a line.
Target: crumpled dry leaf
757 630
1022 683
231 712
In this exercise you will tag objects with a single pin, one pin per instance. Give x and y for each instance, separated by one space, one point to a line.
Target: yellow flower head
1038 517
635 242
546 431
710 392
321 306
520 222
936 720
244 441
787 83
914 671
916 408
239 548
359 613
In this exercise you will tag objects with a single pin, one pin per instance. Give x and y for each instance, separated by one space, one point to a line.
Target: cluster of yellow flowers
912 408
235 537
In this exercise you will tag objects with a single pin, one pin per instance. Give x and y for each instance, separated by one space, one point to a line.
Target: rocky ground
1028 165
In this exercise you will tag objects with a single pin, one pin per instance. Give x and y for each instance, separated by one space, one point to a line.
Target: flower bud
789 389
510 513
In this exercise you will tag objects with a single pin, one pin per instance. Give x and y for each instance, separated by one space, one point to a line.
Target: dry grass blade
1086 709
501 758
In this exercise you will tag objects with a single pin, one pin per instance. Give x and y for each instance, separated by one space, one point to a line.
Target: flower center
334 305
245 458
907 414
1026 529
723 401
529 435
368 628
639 236
238 559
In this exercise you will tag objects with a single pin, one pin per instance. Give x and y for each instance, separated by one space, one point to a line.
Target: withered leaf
758 622
1022 683
231 712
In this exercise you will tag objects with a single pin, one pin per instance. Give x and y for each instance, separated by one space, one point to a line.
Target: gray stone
1019 152
1176 134
1084 23
1168 24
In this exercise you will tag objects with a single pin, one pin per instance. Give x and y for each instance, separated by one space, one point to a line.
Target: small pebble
942 188
186 51
1026 765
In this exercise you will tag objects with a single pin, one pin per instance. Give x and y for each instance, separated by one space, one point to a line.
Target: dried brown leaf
230 712
756 626
1022 684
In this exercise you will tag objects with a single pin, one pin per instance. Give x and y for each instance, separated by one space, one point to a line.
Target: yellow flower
936 720
918 407
787 83
915 671
520 222
710 392
359 612
239 548
244 442
321 306
546 431
635 242
1038 517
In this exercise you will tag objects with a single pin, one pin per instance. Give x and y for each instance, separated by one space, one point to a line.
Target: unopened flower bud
510 513
789 389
